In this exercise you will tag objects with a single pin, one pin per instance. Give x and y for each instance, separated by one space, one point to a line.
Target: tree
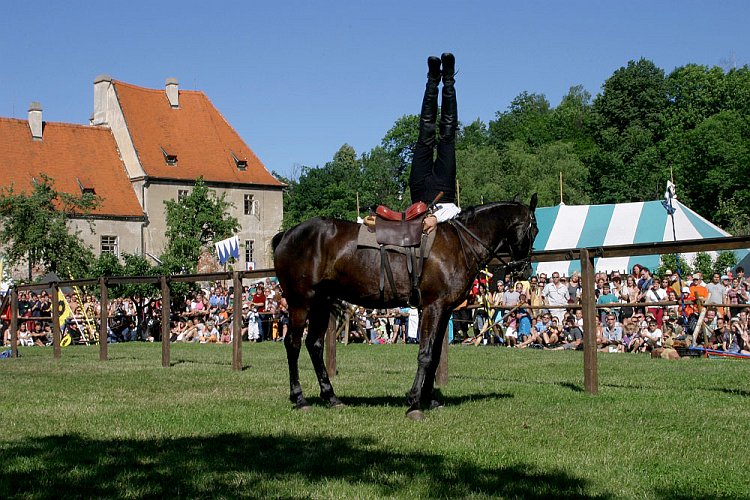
527 120
628 122
34 227
193 223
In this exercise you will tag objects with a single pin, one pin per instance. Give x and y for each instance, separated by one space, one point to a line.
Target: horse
319 265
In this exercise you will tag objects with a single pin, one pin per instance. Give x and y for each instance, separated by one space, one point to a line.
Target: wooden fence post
103 319
590 370
166 304
14 322
56 334
237 322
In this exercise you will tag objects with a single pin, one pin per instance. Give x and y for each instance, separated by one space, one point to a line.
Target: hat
668 272
735 318
685 289
696 276
724 277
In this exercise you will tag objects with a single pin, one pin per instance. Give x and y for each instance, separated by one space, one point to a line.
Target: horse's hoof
415 415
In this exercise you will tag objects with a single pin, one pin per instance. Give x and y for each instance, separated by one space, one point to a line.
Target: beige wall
128 234
260 227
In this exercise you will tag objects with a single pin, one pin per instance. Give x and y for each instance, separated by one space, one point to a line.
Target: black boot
449 109
428 115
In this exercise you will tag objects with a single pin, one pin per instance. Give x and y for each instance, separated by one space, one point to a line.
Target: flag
63 308
227 248
669 195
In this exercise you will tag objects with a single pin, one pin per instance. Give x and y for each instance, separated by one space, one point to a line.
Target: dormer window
170 159
86 186
241 163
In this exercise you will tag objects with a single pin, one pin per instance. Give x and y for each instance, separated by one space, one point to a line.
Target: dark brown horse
318 264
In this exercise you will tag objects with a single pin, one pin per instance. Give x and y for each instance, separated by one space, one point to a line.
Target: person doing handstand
429 176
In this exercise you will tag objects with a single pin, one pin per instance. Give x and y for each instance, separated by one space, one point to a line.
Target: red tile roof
68 153
196 133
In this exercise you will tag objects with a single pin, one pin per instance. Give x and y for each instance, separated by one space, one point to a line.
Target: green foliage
34 228
724 261
670 262
704 265
194 223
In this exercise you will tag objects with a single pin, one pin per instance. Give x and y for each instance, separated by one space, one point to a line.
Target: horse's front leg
420 394
293 345
320 323
429 399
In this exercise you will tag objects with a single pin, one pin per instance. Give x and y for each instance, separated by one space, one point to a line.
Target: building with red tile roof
169 137
144 146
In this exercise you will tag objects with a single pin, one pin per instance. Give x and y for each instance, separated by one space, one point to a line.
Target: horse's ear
517 198
532 203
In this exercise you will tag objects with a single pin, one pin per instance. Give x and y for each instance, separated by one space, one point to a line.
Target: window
170 159
182 194
109 245
252 206
249 250
240 162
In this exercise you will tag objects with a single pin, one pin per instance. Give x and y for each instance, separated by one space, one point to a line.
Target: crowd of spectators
634 313
637 312
204 316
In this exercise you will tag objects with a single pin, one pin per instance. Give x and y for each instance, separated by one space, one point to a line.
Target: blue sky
297 79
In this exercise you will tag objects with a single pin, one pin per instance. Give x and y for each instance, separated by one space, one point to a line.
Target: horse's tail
277 239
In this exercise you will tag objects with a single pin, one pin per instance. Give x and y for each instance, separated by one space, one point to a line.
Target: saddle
400 229
403 229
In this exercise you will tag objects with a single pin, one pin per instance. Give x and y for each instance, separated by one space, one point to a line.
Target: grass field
516 424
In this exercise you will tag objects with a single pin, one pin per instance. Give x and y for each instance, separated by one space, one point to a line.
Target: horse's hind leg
293 345
320 321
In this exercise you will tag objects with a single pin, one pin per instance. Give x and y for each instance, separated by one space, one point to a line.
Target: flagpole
669 195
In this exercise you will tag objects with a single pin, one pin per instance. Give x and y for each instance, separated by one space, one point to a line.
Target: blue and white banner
579 226
227 248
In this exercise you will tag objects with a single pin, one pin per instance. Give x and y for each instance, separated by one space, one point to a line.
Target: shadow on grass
734 392
244 465
570 385
401 401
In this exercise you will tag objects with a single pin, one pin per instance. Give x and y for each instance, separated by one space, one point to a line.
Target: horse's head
521 238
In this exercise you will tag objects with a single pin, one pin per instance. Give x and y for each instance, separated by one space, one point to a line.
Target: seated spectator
572 336
611 340
24 335
39 336
210 334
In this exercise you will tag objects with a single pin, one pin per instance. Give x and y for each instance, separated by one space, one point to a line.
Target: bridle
462 231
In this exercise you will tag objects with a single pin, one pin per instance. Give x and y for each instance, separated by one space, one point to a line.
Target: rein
462 230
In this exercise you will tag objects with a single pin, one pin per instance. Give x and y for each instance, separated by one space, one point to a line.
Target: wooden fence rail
585 255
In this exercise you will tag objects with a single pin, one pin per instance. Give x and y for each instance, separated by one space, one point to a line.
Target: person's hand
429 224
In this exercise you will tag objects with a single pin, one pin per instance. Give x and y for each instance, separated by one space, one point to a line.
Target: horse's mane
469 213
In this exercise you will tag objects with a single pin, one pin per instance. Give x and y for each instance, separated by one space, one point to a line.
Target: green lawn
516 424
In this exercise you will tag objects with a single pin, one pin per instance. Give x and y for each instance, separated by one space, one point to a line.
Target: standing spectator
574 288
512 296
656 294
717 291
259 301
556 294
606 297
523 319
698 292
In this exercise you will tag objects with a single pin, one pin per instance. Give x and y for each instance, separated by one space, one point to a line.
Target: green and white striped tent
578 226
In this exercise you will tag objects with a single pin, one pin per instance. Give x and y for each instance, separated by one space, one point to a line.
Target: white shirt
445 211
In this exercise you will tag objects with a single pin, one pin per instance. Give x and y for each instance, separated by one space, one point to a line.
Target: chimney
35 120
173 93
102 83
